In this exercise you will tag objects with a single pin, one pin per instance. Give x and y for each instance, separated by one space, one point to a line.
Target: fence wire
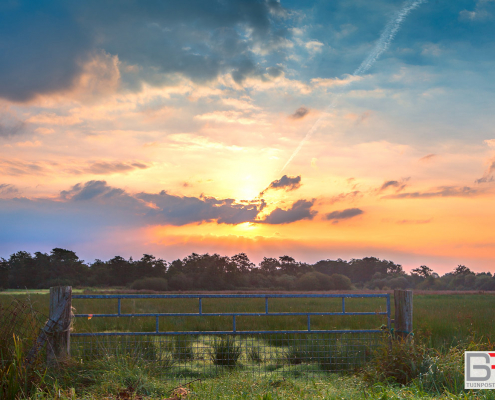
20 324
201 356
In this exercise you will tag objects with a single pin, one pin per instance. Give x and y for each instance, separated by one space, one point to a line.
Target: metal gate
256 333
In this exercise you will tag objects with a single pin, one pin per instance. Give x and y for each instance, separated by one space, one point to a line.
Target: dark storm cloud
301 112
300 210
287 183
344 214
45 43
442 191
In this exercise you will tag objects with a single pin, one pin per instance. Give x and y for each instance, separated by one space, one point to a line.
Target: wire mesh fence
20 325
200 356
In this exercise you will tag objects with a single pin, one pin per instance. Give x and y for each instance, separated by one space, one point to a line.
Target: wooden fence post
403 321
58 348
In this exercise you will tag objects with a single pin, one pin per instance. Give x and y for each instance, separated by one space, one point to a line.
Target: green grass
444 319
104 380
264 371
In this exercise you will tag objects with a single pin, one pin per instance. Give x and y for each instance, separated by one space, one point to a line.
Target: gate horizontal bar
219 296
280 314
222 332
200 312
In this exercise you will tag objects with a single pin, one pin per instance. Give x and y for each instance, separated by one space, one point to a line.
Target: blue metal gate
193 352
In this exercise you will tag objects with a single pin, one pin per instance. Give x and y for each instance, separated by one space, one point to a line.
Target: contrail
381 45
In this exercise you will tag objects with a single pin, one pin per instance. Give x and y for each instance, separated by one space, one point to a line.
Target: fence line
192 353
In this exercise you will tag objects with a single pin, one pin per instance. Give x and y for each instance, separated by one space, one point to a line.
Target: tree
121 271
269 265
422 271
242 262
394 269
461 270
4 273
288 265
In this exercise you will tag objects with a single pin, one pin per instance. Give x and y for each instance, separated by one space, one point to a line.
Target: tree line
215 272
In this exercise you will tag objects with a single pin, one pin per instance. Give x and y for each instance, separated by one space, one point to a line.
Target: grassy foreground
123 379
445 326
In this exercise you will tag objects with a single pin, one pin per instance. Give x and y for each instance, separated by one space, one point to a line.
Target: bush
397 361
181 282
225 352
445 372
157 284
315 281
341 282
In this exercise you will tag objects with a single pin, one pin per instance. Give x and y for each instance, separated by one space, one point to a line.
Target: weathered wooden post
403 321
58 348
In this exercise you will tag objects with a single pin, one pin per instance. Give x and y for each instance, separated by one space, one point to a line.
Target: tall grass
17 377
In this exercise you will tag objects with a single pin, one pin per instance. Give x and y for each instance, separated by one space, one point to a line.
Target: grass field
267 367
444 319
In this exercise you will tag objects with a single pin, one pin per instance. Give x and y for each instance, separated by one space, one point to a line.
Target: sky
163 128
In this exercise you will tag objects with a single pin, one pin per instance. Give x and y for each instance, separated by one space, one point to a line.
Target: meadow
268 366
443 319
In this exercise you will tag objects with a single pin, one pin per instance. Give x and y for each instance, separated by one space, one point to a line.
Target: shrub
341 282
225 352
181 281
398 361
445 372
157 284
315 281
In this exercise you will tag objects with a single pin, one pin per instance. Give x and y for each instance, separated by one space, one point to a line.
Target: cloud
90 190
344 214
176 210
19 168
483 11
415 222
350 196
314 46
43 46
300 113
399 186
487 177
300 210
9 125
288 183
151 208
152 41
442 191
8 189
428 157
105 168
